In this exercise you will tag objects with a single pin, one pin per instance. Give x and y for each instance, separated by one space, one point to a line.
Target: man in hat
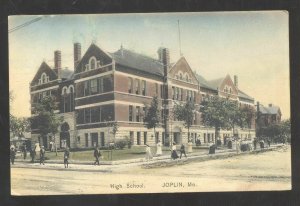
42 155
97 155
12 155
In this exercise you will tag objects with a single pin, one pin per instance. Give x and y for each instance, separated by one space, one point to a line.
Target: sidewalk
161 161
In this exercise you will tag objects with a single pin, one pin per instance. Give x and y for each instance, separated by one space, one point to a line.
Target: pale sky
252 45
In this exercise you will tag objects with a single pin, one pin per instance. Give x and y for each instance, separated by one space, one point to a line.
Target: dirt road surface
264 171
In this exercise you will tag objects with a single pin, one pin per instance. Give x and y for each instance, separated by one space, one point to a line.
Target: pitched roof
67 73
203 82
215 83
244 95
269 109
138 61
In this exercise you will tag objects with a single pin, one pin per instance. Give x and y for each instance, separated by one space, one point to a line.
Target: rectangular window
94 86
143 87
95 114
162 91
94 137
204 138
100 85
137 86
144 111
130 113
137 114
87 115
86 88
131 134
80 116
138 138
130 85
156 89
212 137
107 83
86 139
145 137
107 113
102 139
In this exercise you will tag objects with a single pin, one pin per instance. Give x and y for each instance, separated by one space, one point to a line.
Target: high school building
115 87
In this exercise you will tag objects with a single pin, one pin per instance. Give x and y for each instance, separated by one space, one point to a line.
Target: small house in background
267 115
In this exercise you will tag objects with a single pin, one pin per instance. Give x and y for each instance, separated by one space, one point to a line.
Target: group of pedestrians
174 154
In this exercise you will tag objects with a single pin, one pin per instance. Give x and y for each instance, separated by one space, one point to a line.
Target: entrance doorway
65 135
94 139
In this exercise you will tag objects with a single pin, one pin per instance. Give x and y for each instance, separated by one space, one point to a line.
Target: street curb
163 161
176 162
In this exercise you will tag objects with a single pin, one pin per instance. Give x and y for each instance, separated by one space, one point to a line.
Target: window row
36 98
95 114
137 86
67 102
95 86
178 94
136 114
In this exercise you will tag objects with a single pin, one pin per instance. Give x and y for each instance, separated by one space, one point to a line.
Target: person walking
32 155
24 151
238 146
182 151
66 157
158 149
97 155
148 153
255 143
42 155
12 155
174 154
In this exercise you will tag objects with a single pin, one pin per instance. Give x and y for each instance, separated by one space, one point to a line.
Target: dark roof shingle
138 61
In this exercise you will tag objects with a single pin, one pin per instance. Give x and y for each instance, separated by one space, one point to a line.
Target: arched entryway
64 135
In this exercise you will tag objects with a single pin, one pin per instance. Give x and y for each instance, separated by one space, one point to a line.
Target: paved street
263 171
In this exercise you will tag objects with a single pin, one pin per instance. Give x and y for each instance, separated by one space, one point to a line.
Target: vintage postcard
149 103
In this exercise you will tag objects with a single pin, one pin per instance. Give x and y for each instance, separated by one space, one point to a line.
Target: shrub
245 147
120 144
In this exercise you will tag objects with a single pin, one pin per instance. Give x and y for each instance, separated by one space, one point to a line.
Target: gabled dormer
44 75
225 87
94 58
182 71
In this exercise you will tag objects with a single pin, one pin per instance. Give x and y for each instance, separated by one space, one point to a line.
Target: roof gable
182 68
93 51
44 68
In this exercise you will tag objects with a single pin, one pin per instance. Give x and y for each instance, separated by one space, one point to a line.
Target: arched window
93 62
44 78
180 76
187 77
64 99
71 89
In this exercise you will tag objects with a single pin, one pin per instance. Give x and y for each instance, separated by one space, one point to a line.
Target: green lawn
117 154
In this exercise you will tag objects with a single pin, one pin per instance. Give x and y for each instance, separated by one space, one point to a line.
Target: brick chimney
77 54
57 63
236 82
270 105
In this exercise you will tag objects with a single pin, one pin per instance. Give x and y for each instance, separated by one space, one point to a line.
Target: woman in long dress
148 153
174 154
158 149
